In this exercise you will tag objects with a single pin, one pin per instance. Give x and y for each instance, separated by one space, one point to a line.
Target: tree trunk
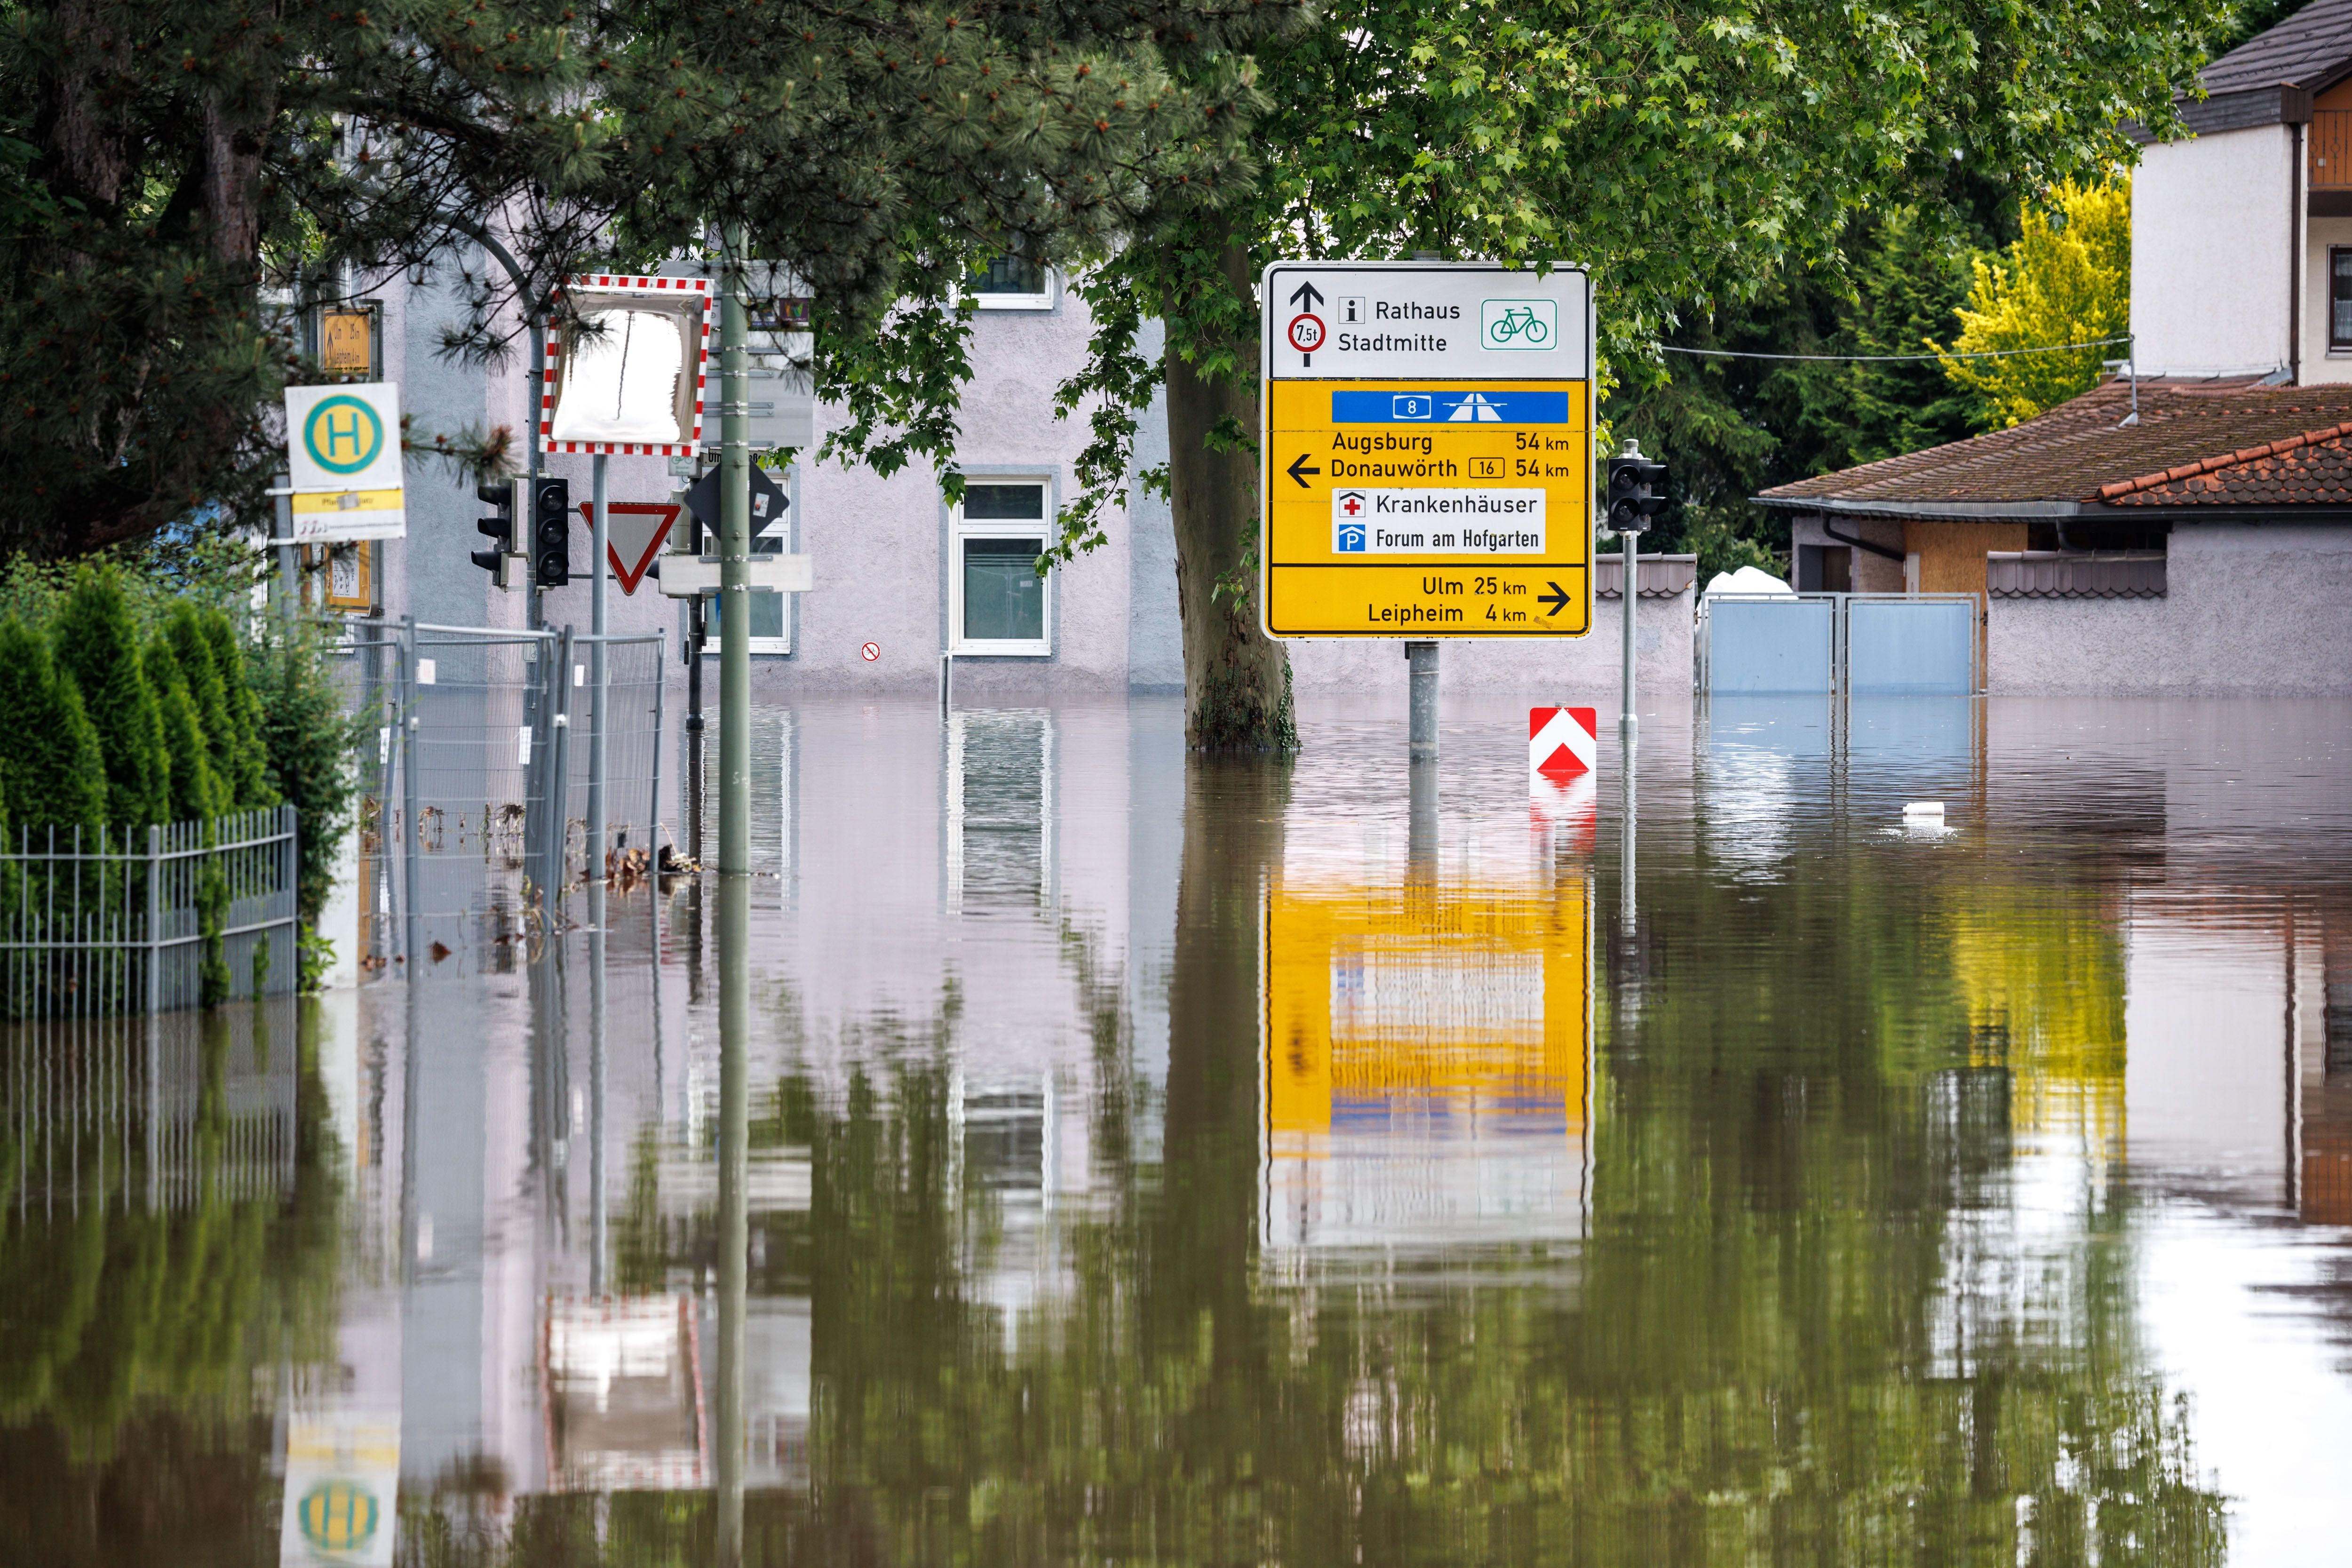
1236 679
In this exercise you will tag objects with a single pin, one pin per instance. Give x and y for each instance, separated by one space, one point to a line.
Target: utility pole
734 566
599 510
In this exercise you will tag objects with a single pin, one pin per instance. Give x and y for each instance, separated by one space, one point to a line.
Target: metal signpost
1427 431
627 379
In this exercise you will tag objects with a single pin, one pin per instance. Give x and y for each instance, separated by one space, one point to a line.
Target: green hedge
130 699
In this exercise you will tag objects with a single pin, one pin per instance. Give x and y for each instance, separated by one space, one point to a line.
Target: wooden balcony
2330 145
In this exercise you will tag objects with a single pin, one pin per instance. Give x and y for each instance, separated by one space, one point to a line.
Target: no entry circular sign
869 652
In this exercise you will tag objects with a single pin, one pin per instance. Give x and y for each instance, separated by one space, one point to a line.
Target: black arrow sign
1556 599
1298 470
1307 296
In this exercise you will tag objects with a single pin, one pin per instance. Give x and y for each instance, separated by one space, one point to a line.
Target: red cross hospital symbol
1351 505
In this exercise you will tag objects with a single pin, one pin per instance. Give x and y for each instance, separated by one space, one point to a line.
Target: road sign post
1427 431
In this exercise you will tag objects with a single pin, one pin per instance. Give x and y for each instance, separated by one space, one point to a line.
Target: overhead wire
1889 359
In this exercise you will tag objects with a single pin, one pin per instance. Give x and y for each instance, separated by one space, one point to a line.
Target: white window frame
790 480
961 529
1044 300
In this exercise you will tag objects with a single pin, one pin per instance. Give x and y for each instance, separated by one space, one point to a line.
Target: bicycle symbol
1515 321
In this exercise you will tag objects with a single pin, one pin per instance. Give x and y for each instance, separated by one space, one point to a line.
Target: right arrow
1556 599
1306 295
1298 470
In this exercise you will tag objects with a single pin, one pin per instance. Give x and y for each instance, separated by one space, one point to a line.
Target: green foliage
2067 279
205 644
51 770
309 741
177 158
194 790
95 641
1689 157
1728 427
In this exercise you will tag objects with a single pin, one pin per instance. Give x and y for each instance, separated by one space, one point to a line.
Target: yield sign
634 532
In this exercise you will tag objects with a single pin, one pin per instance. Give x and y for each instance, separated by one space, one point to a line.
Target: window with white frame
769 613
997 601
2339 297
1014 282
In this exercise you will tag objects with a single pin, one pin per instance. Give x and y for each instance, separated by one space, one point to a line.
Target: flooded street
1160 1159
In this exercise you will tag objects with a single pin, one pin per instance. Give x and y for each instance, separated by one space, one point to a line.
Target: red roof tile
2218 442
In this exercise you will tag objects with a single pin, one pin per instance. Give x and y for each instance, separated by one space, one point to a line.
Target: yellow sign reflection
1426 1067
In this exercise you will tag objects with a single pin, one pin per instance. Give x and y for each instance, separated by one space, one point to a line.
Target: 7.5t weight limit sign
1428 451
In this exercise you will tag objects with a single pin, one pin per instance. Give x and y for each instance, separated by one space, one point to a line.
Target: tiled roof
2308 49
2214 442
2304 470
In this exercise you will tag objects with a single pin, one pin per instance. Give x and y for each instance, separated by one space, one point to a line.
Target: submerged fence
477 785
148 919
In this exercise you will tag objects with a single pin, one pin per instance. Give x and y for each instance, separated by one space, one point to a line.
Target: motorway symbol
1299 470
1556 599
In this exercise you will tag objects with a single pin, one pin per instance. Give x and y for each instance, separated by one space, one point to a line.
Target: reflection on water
1106 1155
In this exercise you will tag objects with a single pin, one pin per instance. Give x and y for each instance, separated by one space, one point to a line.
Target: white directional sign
343 453
1408 319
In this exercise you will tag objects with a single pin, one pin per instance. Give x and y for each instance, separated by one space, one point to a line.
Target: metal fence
148 919
480 786
1864 644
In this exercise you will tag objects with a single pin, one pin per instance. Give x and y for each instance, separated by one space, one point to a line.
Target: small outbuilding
2176 536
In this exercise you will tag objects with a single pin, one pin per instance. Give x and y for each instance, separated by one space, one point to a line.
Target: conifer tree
95 645
193 789
249 774
193 651
51 770
173 158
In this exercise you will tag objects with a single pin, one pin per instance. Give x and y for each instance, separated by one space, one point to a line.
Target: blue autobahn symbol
1386 407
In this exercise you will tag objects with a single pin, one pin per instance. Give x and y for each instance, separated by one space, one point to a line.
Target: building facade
904 581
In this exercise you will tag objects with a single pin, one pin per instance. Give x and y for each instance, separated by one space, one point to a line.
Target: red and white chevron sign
1563 742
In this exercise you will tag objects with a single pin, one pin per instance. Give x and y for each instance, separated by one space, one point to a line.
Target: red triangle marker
635 532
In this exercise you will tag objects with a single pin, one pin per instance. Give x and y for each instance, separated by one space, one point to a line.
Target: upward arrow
1307 296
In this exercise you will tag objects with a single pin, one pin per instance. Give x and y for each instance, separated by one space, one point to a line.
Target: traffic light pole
734 569
1630 544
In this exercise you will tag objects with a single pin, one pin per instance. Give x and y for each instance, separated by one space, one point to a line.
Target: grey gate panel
1911 646
1778 644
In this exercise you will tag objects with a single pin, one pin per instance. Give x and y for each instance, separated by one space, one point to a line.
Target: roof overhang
2049 510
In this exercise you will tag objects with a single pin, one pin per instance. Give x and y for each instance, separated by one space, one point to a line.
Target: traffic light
1637 491
501 528
551 532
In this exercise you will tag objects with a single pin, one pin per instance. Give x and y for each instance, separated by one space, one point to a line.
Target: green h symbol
341 428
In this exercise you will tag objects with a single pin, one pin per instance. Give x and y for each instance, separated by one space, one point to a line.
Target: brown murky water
1162 1160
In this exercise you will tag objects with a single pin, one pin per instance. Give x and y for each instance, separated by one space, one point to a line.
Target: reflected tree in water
143 1336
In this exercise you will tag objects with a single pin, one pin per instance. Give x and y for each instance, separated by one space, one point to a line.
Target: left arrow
1307 296
1299 470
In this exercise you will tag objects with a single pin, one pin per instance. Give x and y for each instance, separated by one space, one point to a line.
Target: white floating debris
1934 809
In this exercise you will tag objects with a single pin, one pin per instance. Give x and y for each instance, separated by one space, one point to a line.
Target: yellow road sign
1427 431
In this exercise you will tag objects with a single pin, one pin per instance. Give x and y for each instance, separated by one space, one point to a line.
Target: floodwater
1163 1159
